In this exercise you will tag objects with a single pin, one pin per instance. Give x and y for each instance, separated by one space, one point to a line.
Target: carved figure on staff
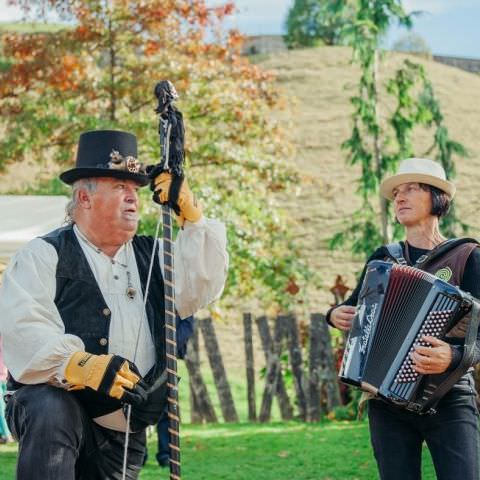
83 316
421 195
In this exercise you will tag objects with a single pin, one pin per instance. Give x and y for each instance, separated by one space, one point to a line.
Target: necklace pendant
131 292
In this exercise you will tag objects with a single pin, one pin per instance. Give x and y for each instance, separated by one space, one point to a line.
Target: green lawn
277 451
245 451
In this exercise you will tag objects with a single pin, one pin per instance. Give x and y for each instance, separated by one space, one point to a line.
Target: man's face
114 207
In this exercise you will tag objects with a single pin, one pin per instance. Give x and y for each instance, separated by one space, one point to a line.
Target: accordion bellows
397 305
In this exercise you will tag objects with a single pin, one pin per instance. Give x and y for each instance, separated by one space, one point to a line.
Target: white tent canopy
23 218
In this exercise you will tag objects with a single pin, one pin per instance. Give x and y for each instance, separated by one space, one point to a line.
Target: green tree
99 72
412 43
313 22
371 145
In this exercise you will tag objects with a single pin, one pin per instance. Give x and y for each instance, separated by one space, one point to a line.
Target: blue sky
450 27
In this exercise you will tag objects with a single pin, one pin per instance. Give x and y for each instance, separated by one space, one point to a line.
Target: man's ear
84 199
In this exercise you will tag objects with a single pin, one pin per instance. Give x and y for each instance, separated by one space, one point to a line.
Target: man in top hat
82 336
421 195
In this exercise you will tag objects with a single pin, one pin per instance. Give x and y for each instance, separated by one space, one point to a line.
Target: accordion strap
395 251
465 362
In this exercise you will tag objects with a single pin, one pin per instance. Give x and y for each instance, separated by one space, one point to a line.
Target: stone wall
262 44
267 44
468 64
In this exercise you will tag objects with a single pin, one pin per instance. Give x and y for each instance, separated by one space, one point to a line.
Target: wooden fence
315 387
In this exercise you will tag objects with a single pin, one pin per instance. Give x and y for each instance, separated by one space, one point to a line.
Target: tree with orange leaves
99 71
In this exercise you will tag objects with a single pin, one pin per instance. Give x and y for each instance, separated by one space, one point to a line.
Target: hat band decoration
128 164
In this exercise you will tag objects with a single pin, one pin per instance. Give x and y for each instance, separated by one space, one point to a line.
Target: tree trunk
220 377
386 233
250 369
112 53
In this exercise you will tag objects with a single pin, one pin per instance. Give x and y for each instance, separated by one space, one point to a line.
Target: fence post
280 333
313 412
220 377
327 369
296 363
274 384
249 365
200 404
192 349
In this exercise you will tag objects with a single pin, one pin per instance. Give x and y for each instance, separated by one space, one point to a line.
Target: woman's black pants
451 436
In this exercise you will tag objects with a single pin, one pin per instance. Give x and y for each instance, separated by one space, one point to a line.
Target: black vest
85 314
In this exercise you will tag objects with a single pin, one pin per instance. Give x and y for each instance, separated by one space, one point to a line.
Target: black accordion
397 305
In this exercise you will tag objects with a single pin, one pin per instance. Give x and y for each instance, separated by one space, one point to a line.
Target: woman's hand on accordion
432 360
342 317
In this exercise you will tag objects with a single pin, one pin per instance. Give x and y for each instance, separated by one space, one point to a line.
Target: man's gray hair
89 184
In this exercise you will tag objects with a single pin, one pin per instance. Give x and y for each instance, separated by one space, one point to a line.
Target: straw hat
418 170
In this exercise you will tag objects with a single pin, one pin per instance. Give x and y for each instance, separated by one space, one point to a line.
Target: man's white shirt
36 348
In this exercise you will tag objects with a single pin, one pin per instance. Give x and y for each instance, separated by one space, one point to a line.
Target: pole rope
145 298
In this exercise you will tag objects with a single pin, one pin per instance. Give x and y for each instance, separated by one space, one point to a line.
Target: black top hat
107 153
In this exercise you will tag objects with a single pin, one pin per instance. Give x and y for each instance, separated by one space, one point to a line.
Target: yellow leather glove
109 374
188 208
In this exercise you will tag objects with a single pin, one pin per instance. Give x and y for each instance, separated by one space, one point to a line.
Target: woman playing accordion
421 195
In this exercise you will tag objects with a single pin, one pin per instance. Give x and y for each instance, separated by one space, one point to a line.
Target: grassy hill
321 81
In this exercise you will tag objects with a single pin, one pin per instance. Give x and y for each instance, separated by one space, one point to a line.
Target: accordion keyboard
434 326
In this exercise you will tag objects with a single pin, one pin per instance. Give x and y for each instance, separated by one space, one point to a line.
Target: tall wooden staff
171 133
